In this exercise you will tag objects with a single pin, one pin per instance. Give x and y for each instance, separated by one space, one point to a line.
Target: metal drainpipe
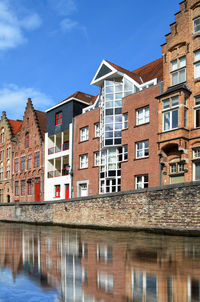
160 171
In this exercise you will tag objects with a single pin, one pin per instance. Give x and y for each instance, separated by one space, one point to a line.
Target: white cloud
12 27
13 100
67 25
63 7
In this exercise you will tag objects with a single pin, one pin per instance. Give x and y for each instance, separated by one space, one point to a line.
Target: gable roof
85 97
151 70
15 126
42 121
131 74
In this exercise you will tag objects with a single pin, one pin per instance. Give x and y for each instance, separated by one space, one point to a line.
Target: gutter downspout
71 170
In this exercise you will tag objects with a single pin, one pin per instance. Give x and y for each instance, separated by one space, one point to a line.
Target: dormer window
178 70
196 23
59 118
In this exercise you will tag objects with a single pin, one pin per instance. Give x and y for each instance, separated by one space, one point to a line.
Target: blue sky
51 48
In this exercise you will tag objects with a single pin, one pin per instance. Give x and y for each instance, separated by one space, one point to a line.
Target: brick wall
170 207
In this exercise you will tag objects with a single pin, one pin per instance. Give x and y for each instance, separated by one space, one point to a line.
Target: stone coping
103 196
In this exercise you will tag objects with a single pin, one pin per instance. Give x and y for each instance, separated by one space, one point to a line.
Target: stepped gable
132 75
85 97
151 70
15 126
42 122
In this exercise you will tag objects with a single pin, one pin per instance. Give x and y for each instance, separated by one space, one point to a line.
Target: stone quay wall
173 207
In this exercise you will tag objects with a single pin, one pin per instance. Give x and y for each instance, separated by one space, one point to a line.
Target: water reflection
66 265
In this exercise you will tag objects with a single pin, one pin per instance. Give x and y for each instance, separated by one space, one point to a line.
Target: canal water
41 263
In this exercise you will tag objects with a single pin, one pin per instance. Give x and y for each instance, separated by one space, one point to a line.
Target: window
197 64
23 160
2 155
124 152
185 118
84 134
27 140
1 195
178 70
177 168
196 23
97 130
29 165
29 187
197 111
196 152
125 120
57 190
170 113
105 282
8 152
141 181
142 149
8 170
23 187
16 165
16 188
37 159
1 172
142 115
144 286
96 158
59 118
2 135
83 161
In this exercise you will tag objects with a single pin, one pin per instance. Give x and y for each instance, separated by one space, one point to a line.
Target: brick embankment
172 208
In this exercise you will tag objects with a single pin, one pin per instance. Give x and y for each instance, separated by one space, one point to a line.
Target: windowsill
177 174
196 159
165 131
84 141
94 166
141 125
140 158
124 129
195 35
80 169
177 83
96 137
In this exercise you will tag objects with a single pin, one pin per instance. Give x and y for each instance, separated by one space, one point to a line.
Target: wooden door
67 191
37 191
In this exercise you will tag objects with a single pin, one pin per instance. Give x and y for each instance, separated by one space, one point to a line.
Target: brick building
179 103
8 130
115 140
28 156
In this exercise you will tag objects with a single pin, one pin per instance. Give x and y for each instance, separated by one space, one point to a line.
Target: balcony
57 173
58 148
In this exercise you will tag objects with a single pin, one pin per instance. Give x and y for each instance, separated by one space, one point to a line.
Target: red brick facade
179 143
28 157
146 131
90 175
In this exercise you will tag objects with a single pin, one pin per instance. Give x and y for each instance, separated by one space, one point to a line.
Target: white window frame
196 19
196 152
168 109
196 108
143 182
196 64
125 120
104 280
125 152
84 161
178 70
97 129
176 168
96 158
84 134
145 116
143 149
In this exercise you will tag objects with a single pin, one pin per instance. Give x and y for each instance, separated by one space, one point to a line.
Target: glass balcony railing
57 173
58 148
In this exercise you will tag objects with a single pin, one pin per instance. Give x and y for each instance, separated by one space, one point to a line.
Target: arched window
27 140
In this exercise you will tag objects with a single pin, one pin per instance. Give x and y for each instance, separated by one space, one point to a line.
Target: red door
37 190
66 191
